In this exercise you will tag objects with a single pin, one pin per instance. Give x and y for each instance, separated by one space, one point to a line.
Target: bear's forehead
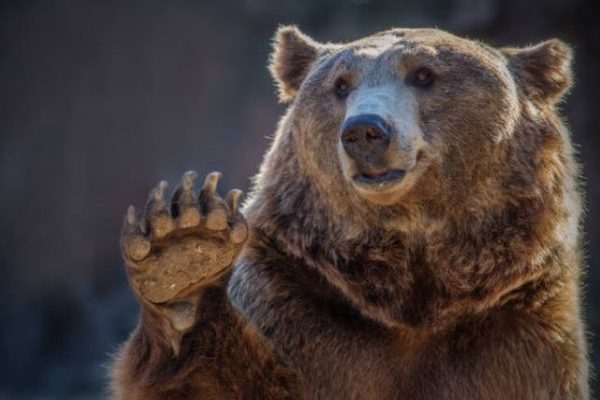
422 40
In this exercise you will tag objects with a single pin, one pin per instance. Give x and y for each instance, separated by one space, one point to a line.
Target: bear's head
420 172
412 116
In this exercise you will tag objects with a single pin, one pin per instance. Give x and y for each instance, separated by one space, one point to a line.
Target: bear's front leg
190 342
179 247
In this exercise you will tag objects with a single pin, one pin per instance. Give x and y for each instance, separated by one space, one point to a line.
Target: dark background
101 99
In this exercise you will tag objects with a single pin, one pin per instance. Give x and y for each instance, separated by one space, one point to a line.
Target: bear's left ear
291 60
542 71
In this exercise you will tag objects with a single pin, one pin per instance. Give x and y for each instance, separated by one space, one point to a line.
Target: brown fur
466 288
222 357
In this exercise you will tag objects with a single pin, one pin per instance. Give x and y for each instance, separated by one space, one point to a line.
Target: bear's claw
134 243
214 207
184 206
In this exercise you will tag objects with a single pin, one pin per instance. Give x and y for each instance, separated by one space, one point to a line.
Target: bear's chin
381 198
387 193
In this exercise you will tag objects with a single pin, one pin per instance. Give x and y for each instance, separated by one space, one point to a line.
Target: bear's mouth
379 179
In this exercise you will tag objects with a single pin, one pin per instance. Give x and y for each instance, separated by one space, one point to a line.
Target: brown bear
413 233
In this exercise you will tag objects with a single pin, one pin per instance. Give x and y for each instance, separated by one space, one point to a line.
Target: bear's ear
291 60
542 71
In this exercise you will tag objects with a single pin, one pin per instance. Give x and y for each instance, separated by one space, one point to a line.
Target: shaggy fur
466 287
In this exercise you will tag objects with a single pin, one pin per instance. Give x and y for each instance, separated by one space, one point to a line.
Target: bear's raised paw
176 246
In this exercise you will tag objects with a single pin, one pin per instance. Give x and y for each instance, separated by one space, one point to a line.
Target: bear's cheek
463 135
472 116
316 135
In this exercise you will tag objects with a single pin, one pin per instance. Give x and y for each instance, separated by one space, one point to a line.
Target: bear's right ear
291 60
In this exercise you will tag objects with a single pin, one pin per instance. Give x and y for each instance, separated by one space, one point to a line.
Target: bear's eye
422 77
342 88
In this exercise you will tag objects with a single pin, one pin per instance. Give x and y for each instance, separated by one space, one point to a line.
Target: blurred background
101 99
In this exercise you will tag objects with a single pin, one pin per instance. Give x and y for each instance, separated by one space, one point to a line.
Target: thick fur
222 357
468 287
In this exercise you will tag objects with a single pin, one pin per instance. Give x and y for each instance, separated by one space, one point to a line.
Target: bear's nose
365 137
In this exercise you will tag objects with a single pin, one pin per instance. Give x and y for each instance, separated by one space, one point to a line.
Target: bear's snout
366 138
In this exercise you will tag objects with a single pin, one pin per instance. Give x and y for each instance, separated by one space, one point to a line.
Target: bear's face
410 113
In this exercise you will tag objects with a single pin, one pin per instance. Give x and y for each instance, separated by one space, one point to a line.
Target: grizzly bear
413 233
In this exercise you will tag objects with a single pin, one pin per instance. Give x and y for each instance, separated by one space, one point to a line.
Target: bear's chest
338 353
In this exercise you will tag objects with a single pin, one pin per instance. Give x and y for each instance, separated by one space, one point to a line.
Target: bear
412 233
